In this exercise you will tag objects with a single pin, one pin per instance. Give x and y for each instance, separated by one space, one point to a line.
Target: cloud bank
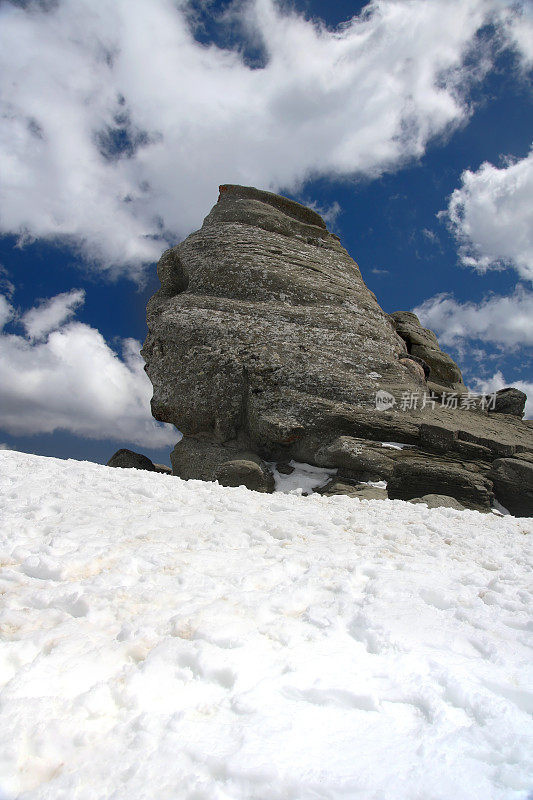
502 320
63 376
117 126
491 216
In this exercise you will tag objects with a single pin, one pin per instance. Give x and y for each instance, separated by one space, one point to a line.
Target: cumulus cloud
117 126
497 382
63 376
501 320
50 314
491 215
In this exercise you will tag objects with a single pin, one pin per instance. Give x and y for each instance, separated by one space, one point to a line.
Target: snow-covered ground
170 639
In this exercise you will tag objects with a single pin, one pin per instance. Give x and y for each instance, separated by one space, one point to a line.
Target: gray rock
264 344
437 438
351 457
284 468
415 478
422 343
510 401
163 469
426 369
513 485
128 459
245 473
271 330
444 370
418 367
523 454
438 501
472 451
360 490
200 458
496 447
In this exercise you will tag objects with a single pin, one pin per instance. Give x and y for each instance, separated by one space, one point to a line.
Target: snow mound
172 639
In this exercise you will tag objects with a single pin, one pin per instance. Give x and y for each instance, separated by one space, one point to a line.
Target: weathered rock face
513 485
263 323
418 477
510 401
422 344
265 345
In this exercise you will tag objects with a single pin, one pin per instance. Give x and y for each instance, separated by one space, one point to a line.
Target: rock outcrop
513 484
422 344
265 345
129 459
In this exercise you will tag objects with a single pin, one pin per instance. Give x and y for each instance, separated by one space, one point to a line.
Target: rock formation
129 459
265 345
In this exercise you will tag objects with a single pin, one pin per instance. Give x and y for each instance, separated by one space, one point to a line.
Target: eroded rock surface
513 485
422 344
265 345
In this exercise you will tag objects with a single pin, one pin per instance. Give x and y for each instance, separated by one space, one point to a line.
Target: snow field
171 639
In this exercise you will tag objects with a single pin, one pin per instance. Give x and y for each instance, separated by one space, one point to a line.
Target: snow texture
172 639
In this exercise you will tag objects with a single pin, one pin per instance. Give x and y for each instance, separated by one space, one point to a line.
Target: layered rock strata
265 345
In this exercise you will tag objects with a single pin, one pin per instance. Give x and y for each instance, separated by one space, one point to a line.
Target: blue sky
407 123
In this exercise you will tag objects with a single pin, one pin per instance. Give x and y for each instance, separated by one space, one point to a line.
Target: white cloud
50 314
6 312
518 27
431 236
502 320
497 382
491 215
79 78
72 380
6 286
328 213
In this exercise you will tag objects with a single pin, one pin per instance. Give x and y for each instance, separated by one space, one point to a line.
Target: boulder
363 491
201 458
438 501
128 459
443 368
414 478
513 485
242 472
509 401
417 366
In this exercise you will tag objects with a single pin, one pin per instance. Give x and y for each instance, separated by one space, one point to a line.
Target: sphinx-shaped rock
265 340
264 330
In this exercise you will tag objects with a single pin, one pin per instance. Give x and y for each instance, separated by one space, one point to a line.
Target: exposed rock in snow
265 345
